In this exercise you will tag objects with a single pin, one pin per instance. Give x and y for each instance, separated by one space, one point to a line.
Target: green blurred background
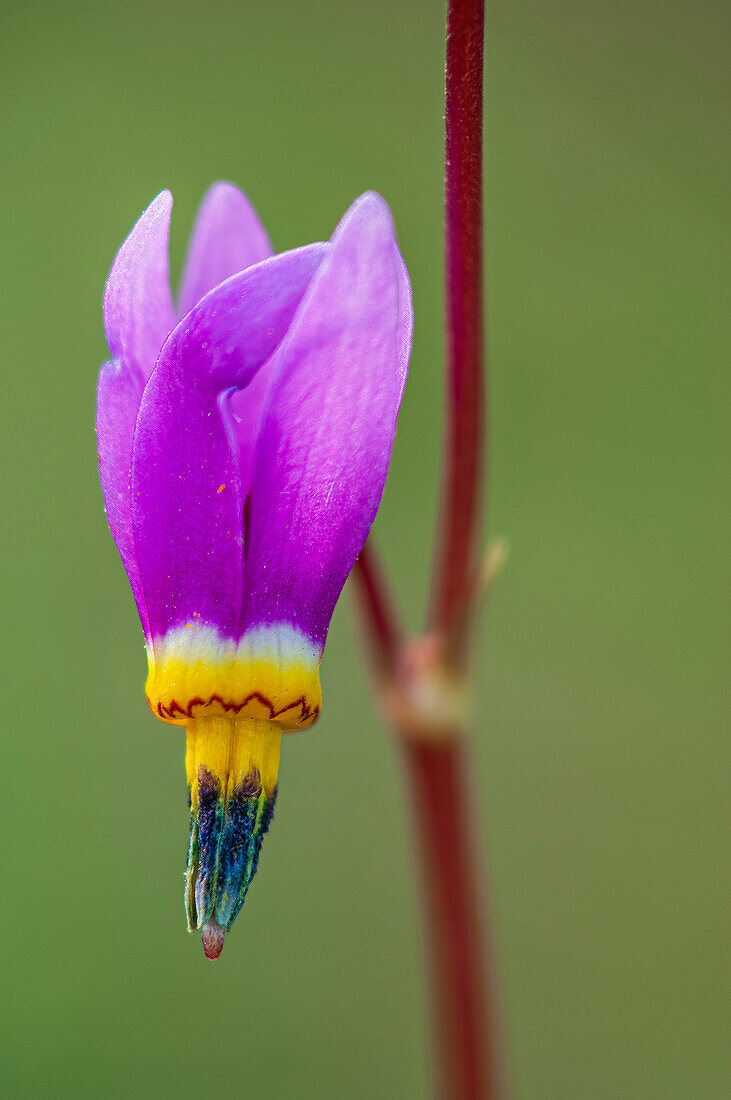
602 688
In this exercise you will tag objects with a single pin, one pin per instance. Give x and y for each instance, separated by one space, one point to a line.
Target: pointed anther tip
212 935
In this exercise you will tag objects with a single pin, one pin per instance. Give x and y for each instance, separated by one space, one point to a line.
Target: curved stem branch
377 612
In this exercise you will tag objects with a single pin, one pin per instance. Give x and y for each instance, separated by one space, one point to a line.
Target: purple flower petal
329 426
227 238
247 406
187 497
138 316
138 305
118 397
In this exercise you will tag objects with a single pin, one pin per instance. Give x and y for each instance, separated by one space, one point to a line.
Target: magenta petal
247 406
188 501
118 397
406 321
328 430
227 238
138 316
138 305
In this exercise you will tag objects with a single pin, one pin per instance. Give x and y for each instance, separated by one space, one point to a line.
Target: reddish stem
444 841
457 944
462 482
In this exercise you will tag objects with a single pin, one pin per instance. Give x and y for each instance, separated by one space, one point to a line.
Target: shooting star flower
244 442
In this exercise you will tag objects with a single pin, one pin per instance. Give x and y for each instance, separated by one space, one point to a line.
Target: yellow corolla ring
271 673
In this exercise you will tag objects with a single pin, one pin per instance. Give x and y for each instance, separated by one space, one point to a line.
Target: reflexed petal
247 406
118 397
138 305
138 316
329 426
188 501
406 321
227 238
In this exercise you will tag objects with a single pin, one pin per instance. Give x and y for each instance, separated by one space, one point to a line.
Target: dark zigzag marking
175 710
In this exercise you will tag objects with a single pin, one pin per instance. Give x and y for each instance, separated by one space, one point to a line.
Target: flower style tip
243 446
212 937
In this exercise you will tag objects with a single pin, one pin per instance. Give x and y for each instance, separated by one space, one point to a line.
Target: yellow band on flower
270 674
